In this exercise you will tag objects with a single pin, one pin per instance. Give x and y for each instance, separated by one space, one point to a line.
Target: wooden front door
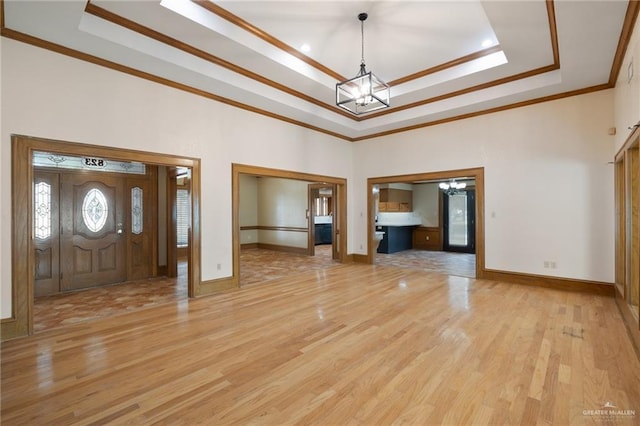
46 239
92 230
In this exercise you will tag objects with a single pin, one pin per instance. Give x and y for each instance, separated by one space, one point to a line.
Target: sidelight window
136 210
42 207
95 210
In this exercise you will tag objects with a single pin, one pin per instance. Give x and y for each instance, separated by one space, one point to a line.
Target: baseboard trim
567 284
248 246
359 258
215 286
287 249
629 321
11 329
162 270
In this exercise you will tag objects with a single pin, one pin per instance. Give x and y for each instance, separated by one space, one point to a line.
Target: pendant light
365 92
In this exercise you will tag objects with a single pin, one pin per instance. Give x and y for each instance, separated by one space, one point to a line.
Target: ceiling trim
625 37
486 111
170 41
631 16
215 9
450 64
34 41
237 21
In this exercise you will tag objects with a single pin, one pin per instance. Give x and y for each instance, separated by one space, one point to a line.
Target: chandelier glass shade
452 187
365 92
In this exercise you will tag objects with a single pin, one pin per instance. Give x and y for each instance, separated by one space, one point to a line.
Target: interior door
459 221
92 227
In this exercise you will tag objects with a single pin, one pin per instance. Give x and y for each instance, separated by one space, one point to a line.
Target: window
136 210
42 210
95 210
182 216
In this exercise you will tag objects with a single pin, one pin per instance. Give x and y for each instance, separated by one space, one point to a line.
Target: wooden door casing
91 257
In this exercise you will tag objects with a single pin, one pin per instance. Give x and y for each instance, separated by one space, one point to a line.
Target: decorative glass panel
458 219
136 210
59 161
182 213
42 210
95 210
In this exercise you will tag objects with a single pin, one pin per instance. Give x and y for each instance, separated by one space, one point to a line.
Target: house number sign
94 162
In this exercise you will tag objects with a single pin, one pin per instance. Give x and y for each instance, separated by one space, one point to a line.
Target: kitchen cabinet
396 238
395 200
324 233
427 238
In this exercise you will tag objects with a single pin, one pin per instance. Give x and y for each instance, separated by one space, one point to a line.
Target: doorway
274 210
430 236
23 247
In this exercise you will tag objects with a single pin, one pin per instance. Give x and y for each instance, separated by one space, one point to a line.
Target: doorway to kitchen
414 236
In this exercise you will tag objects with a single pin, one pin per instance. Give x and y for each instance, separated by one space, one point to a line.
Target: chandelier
365 92
452 187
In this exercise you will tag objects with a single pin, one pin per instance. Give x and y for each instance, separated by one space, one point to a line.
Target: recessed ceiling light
487 43
305 47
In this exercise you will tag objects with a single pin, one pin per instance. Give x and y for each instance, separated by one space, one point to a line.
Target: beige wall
248 214
48 95
548 185
426 203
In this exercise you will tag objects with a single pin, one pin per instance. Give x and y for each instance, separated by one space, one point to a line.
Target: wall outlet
546 264
219 266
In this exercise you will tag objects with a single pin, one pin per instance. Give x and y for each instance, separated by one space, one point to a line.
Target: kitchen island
397 237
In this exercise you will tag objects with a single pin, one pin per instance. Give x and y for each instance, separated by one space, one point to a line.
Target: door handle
119 229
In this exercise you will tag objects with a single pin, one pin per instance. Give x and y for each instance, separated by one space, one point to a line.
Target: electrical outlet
546 264
219 266
552 264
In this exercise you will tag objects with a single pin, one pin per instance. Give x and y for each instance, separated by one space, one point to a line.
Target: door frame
340 206
311 241
22 242
472 173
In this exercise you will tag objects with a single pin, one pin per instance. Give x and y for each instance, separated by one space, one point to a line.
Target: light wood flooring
258 266
350 344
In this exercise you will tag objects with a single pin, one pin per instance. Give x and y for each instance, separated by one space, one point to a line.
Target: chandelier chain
362 39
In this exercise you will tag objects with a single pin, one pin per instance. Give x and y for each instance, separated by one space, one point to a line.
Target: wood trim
248 246
163 38
553 32
274 228
630 18
630 142
569 284
450 64
261 34
483 112
171 191
162 270
21 321
359 258
286 249
217 285
629 321
25 38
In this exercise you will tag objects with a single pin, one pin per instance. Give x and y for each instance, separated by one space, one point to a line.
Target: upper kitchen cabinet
395 200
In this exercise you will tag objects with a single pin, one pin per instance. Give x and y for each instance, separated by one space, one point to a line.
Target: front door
92 227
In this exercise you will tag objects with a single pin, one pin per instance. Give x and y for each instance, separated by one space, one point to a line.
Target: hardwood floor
350 344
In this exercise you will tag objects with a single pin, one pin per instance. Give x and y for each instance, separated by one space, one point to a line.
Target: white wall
425 202
282 202
248 214
548 187
48 95
627 91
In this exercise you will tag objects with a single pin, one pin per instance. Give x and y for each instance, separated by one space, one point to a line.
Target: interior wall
548 184
248 209
282 203
627 90
48 95
426 204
